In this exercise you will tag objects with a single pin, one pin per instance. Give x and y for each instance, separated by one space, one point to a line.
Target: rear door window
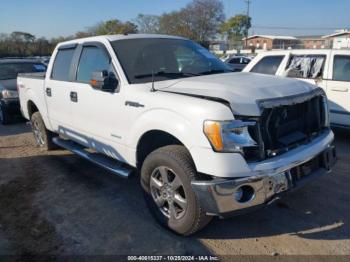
305 66
62 64
341 68
92 59
268 65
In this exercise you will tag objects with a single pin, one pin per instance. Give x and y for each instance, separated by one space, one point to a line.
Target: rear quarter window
62 64
268 65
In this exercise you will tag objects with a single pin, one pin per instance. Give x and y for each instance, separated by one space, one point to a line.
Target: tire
173 162
43 137
4 116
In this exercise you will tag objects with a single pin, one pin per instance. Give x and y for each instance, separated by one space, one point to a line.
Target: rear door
338 88
58 86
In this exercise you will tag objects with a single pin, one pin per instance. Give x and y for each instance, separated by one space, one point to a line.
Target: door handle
74 97
48 91
340 89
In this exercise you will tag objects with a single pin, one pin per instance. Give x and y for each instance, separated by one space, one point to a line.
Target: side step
101 160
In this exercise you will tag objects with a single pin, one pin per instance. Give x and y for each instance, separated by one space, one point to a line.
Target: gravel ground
56 203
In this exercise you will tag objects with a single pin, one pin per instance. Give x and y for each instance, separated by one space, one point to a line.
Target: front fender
167 121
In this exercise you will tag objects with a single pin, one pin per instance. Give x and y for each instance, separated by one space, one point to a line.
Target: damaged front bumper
227 197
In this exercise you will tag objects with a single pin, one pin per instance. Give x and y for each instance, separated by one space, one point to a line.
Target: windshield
163 59
11 70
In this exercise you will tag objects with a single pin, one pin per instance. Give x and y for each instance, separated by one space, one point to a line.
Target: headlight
9 94
229 136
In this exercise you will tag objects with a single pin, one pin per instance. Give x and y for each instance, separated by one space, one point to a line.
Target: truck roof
119 37
303 51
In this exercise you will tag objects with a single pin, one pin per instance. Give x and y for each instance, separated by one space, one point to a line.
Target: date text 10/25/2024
173 258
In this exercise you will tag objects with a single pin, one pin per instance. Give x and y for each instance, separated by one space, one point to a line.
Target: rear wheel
43 137
166 177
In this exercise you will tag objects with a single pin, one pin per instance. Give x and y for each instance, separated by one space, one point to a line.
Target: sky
52 18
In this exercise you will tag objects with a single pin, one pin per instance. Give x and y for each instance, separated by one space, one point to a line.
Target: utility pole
248 2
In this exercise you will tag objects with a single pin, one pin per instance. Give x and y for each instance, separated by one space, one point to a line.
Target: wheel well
32 108
151 141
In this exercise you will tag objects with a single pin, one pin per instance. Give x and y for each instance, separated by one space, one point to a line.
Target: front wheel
166 177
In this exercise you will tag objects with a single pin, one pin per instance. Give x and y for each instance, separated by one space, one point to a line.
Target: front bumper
218 196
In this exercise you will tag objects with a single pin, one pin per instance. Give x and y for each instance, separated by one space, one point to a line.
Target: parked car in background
329 69
9 69
45 60
237 63
205 141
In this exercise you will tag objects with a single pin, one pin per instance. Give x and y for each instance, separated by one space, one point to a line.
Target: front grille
284 127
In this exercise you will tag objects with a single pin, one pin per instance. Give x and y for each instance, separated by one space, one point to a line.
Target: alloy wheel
38 135
168 192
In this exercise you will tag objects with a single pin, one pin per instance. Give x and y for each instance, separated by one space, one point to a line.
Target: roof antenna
152 88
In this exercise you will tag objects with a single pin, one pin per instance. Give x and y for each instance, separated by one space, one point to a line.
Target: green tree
82 34
177 23
21 42
236 27
41 47
57 40
147 24
199 20
113 26
206 17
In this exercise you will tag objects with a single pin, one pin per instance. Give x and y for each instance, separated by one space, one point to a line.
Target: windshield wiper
167 74
215 71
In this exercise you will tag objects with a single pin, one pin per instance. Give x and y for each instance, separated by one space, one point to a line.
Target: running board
112 165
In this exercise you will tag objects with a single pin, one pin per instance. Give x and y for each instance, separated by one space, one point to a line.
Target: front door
98 115
338 88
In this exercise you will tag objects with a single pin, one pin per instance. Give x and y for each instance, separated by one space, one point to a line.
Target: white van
329 69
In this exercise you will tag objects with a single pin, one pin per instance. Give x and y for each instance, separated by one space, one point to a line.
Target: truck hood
9 84
242 90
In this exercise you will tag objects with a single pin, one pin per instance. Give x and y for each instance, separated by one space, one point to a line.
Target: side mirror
104 81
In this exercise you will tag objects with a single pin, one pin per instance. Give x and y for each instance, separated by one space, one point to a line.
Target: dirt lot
57 203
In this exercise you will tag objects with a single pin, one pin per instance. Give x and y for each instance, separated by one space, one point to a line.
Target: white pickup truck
328 69
206 142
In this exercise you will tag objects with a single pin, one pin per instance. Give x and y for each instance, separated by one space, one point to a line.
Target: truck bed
31 89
